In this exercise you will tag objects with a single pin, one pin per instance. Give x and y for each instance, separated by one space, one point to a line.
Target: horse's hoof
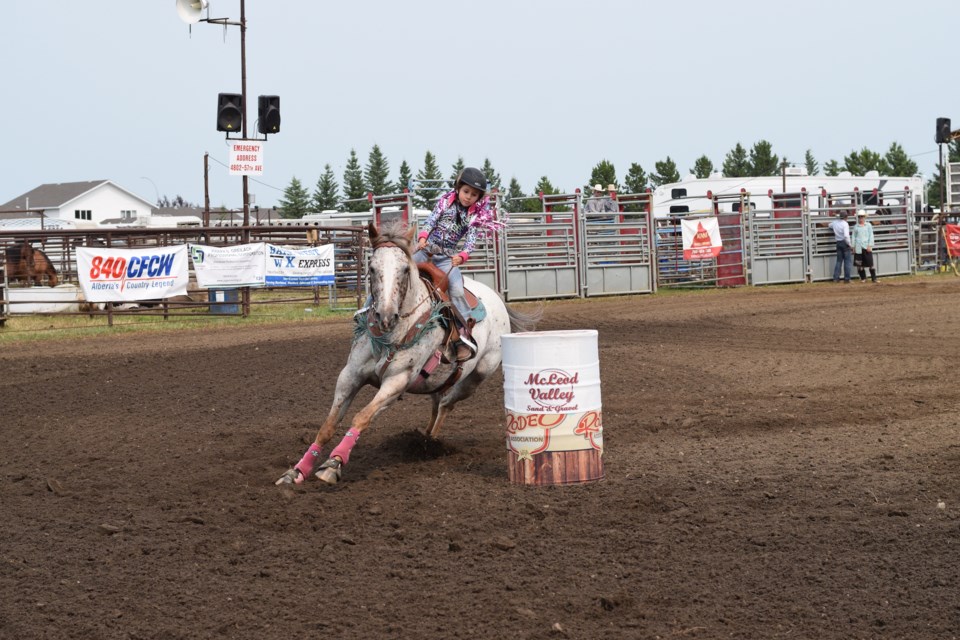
290 476
330 471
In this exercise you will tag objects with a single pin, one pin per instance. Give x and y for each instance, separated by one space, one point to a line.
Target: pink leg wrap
343 449
305 466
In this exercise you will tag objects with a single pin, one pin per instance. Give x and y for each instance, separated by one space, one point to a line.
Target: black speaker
229 116
268 114
943 130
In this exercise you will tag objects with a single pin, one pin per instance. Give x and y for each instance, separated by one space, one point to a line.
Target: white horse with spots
401 347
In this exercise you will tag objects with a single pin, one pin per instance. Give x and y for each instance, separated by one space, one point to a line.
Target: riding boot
466 347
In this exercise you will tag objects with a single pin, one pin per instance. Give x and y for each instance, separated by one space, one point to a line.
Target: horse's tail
523 321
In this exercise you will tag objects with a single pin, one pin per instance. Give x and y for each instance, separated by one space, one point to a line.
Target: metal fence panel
616 256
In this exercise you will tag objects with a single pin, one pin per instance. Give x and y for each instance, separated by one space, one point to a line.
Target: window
678 193
679 208
128 214
83 214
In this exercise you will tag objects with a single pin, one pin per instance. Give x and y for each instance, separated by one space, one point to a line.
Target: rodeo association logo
552 390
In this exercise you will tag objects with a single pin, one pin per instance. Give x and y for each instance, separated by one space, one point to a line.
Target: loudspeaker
229 116
268 114
943 130
190 11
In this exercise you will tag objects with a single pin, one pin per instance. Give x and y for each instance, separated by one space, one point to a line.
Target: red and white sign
701 238
952 235
246 157
123 275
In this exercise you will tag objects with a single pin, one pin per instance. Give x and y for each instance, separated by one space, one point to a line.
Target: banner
701 238
299 267
125 275
951 234
243 265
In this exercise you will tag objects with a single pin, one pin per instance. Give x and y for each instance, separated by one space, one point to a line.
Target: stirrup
466 348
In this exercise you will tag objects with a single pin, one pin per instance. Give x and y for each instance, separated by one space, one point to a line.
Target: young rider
463 213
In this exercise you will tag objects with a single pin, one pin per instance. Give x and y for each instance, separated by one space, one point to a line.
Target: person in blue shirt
841 233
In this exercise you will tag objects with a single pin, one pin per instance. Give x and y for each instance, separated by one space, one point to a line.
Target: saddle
438 281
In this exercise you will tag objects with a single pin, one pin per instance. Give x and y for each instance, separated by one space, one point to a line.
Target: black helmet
472 178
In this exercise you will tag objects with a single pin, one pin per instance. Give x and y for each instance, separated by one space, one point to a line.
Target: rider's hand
421 243
457 260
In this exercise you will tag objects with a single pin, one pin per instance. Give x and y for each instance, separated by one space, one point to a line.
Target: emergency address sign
246 158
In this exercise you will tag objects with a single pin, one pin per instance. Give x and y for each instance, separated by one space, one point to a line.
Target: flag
701 238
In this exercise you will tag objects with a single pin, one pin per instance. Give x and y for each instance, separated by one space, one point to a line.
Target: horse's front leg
348 385
390 389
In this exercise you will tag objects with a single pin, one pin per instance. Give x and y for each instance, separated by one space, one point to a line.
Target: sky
125 91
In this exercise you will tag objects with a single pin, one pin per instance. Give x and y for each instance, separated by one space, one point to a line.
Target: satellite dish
190 11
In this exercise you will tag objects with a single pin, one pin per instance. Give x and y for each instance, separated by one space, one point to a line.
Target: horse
402 345
29 265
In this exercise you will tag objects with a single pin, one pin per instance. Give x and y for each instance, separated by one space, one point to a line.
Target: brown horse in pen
24 263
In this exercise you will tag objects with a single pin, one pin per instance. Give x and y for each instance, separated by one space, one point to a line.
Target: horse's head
390 272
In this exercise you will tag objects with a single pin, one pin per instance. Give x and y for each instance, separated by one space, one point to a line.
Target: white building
83 204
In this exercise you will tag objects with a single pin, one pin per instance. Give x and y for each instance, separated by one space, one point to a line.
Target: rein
383 345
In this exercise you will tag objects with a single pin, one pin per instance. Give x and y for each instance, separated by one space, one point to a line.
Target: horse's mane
395 231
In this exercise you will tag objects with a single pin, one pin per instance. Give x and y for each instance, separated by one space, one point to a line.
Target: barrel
551 395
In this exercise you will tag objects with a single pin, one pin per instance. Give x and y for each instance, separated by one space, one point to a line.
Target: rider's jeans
454 277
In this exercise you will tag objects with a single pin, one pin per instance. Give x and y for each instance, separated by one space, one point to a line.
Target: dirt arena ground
780 463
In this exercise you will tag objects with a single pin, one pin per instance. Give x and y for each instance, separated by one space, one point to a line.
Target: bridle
386 244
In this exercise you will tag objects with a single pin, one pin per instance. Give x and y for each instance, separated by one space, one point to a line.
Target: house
83 204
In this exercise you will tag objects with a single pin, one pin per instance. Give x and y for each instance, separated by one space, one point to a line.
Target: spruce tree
811 163
295 202
604 173
514 200
859 162
763 162
635 182
377 174
493 178
636 179
702 167
326 195
458 166
666 172
935 185
428 189
405 178
736 164
546 187
898 162
353 187
832 168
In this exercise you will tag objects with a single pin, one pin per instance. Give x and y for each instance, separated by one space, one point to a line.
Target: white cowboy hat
862 212
611 187
598 187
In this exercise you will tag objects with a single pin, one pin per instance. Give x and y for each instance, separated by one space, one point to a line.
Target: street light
155 190
191 11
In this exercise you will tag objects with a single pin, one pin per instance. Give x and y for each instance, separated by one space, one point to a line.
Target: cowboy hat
598 187
862 212
611 187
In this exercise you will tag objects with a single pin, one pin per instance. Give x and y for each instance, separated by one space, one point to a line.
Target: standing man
841 233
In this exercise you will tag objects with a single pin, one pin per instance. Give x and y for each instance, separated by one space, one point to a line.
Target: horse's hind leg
434 412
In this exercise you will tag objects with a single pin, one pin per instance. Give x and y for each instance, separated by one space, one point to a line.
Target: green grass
266 308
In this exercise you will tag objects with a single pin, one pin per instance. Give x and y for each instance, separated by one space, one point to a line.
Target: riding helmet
472 178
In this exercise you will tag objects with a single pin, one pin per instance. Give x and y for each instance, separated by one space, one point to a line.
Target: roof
57 194
51 196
